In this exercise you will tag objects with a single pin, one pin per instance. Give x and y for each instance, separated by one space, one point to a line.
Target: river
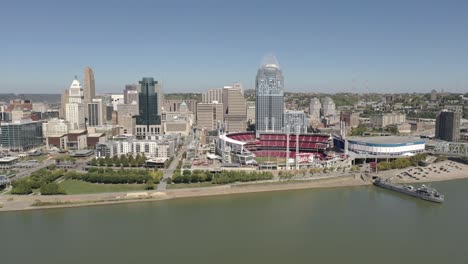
336 225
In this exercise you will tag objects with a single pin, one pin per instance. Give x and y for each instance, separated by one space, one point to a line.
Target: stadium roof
387 140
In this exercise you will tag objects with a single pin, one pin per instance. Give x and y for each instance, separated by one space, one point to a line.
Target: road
29 171
172 167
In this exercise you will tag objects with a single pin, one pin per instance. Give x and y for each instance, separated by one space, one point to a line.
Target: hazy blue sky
324 46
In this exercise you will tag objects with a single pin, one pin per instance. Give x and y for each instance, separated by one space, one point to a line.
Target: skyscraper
328 107
74 108
63 103
95 112
89 89
234 107
158 89
448 126
209 115
148 121
269 103
130 94
314 109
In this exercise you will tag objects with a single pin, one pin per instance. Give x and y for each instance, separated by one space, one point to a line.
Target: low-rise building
385 119
164 147
351 119
7 163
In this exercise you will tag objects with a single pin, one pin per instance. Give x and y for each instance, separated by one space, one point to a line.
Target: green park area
81 187
96 180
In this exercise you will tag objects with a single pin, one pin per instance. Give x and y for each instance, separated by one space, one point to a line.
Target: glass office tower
148 103
269 97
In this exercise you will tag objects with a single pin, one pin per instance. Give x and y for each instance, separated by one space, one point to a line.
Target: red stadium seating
274 144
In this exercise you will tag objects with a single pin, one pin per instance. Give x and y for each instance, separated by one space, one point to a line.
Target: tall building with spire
74 107
269 97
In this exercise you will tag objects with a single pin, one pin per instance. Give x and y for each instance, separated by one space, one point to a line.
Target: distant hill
47 98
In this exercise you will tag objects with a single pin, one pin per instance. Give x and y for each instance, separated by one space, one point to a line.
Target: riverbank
437 172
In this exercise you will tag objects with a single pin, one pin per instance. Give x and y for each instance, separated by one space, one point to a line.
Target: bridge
452 149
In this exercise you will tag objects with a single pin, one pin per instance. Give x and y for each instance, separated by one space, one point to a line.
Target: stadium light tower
287 147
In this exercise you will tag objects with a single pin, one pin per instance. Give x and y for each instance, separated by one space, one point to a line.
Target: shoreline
21 203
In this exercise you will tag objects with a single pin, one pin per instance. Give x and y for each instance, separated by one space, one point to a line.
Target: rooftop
96 135
386 139
8 159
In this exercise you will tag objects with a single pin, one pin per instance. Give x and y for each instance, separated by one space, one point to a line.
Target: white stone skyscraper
269 97
74 108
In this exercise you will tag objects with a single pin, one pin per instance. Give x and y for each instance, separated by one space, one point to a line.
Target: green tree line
223 177
110 176
39 179
402 163
120 161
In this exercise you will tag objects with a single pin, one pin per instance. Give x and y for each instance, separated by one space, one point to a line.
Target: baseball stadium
246 149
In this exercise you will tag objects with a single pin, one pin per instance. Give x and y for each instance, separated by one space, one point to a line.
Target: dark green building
148 121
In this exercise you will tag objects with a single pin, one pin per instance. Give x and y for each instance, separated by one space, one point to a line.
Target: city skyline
323 47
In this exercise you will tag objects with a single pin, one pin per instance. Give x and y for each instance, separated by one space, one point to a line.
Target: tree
109 162
94 162
102 162
358 131
51 189
149 184
21 187
123 158
141 160
52 167
130 158
115 159
195 177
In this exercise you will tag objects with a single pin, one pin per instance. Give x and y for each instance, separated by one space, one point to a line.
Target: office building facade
314 109
234 108
21 136
209 116
213 95
148 121
295 122
448 126
89 88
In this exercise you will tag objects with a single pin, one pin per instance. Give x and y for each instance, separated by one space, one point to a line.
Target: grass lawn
270 159
190 185
81 187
